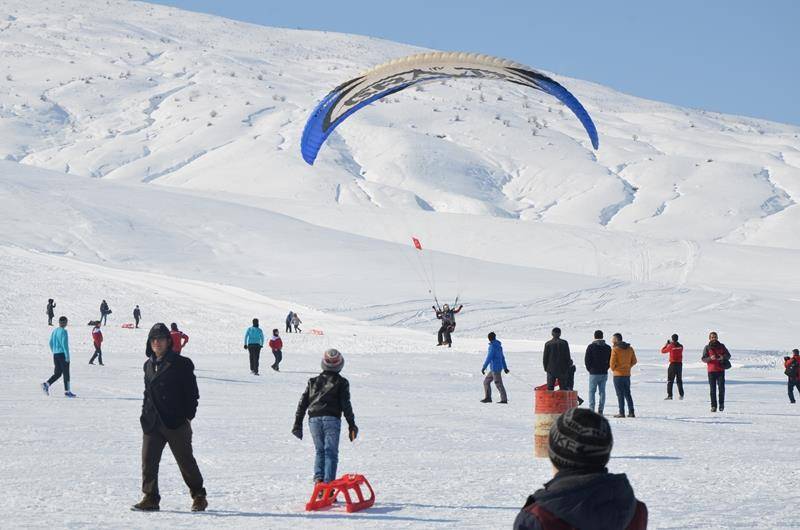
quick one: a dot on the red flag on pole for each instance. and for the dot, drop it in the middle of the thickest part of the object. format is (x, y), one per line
(417, 244)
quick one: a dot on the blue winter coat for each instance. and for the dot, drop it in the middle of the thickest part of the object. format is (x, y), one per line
(495, 357)
(254, 335)
(59, 342)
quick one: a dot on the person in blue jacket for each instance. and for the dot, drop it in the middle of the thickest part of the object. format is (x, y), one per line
(253, 342)
(496, 362)
(59, 345)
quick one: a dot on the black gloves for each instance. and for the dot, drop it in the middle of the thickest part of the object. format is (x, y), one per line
(506, 370)
(483, 371)
(297, 430)
(353, 433)
(245, 346)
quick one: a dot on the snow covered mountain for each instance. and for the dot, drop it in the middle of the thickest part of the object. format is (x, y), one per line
(151, 156)
(697, 209)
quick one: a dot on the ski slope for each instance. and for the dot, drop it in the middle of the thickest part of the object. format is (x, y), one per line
(151, 156)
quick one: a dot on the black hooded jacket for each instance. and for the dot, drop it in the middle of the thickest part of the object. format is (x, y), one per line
(598, 355)
(593, 501)
(170, 392)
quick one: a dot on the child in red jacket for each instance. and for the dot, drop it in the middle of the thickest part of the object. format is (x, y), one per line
(97, 339)
(276, 344)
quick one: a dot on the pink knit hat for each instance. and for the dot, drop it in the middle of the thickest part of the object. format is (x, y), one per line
(332, 361)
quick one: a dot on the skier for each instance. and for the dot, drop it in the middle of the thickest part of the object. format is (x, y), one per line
(179, 338)
(104, 312)
(169, 406)
(675, 370)
(137, 315)
(326, 398)
(582, 494)
(623, 358)
(59, 345)
(448, 318)
(717, 359)
(596, 360)
(97, 339)
(289, 318)
(51, 306)
(276, 345)
(557, 361)
(792, 371)
(296, 322)
(253, 342)
(496, 362)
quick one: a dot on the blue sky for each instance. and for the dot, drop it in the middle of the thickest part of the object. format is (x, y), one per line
(734, 56)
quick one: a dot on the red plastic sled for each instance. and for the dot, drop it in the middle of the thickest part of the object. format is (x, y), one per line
(128, 325)
(325, 494)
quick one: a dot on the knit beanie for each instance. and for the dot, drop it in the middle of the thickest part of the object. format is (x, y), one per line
(332, 361)
(580, 439)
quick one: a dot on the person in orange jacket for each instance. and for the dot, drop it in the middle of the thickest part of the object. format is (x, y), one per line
(623, 358)
(675, 370)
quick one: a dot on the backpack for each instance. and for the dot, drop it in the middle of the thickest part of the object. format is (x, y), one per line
(791, 370)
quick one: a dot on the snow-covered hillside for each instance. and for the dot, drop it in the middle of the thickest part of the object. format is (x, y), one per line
(143, 93)
(151, 156)
(682, 218)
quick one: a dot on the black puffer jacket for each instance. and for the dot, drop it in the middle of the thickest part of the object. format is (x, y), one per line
(170, 392)
(594, 501)
(328, 394)
(556, 358)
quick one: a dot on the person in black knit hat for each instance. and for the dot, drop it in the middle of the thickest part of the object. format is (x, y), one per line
(582, 494)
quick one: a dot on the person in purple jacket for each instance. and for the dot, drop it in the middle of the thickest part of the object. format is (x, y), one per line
(496, 362)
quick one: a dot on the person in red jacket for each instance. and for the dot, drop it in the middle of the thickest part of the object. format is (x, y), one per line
(97, 339)
(276, 344)
(582, 494)
(717, 359)
(675, 370)
(179, 338)
(792, 366)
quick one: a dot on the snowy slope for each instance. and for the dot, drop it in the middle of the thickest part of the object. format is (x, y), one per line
(152, 158)
(200, 102)
(436, 456)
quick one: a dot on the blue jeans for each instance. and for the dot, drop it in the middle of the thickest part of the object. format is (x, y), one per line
(622, 384)
(597, 382)
(325, 433)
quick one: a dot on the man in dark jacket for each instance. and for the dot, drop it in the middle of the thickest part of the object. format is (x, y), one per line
(448, 318)
(791, 367)
(170, 404)
(557, 362)
(598, 354)
(104, 312)
(326, 399)
(583, 494)
(137, 315)
(51, 306)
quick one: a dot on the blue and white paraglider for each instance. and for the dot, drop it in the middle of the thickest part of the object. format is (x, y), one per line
(400, 74)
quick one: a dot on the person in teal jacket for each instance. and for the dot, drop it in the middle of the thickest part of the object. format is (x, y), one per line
(496, 362)
(59, 345)
(253, 342)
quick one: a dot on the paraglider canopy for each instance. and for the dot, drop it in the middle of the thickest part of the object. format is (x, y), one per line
(400, 74)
